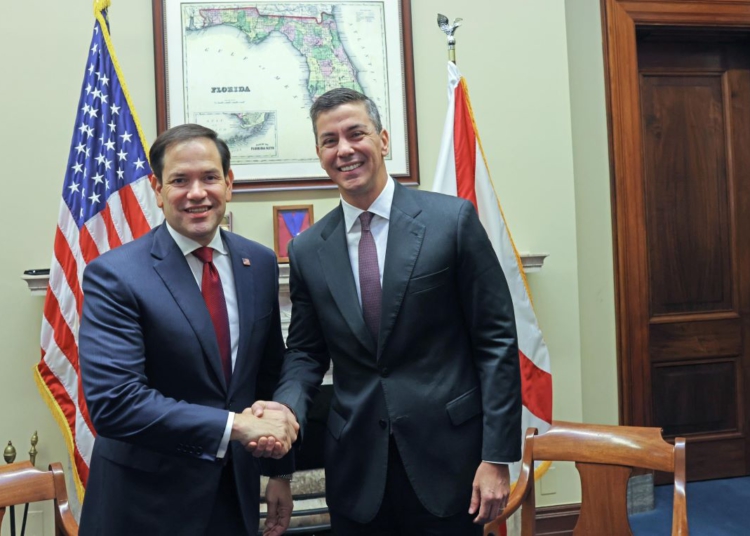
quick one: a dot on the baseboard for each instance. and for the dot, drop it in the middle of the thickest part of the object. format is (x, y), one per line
(557, 520)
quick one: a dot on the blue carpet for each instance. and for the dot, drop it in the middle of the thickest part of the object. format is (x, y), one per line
(715, 508)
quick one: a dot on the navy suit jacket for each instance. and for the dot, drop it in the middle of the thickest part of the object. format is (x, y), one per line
(443, 377)
(155, 390)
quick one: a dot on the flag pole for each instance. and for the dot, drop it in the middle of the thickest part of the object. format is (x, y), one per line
(449, 29)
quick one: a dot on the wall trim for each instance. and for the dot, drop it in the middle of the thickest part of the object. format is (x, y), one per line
(557, 520)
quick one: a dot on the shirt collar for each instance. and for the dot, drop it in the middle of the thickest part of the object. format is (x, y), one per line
(188, 245)
(381, 206)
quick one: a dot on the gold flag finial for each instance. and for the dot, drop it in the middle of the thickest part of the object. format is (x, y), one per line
(449, 29)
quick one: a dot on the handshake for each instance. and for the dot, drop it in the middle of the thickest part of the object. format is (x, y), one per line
(267, 429)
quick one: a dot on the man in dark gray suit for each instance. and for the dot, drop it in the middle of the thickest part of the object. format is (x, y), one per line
(402, 291)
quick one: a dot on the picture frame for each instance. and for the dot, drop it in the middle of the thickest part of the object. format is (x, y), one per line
(255, 88)
(226, 221)
(288, 222)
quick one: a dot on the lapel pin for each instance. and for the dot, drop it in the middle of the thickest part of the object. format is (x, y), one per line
(245, 261)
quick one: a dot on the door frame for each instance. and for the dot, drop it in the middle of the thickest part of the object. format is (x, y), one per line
(620, 19)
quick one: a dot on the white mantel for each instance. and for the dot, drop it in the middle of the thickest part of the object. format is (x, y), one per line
(532, 262)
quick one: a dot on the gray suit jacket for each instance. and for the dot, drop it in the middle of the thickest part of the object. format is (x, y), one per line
(443, 377)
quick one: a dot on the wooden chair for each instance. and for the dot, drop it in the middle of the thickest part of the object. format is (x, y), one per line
(605, 457)
(22, 483)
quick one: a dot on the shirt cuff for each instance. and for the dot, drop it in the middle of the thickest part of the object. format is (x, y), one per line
(225, 438)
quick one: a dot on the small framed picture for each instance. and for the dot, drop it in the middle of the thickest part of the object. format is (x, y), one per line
(226, 221)
(288, 222)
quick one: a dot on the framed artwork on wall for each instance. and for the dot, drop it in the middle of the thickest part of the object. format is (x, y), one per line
(226, 221)
(288, 222)
(251, 70)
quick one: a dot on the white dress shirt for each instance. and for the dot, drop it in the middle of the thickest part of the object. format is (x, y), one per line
(223, 264)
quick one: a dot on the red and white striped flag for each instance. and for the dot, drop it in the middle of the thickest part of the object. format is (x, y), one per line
(106, 201)
(462, 171)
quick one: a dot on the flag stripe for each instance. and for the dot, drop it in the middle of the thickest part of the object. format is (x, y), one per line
(69, 229)
(87, 244)
(97, 230)
(464, 143)
(133, 209)
(63, 401)
(113, 238)
(536, 389)
(69, 269)
(122, 227)
(62, 335)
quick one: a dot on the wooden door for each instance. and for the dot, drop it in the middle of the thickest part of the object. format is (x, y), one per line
(680, 125)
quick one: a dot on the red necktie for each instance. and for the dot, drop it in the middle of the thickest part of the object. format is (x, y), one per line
(369, 276)
(213, 293)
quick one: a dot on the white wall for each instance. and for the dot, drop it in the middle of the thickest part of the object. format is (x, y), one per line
(544, 135)
(593, 212)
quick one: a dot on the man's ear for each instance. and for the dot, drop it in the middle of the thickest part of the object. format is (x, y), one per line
(384, 139)
(156, 186)
(230, 182)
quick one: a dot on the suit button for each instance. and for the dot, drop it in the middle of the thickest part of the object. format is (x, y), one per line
(382, 423)
(384, 372)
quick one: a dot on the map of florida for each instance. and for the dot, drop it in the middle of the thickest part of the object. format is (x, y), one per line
(319, 43)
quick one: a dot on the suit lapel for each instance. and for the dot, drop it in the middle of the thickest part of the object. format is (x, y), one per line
(171, 266)
(334, 259)
(244, 282)
(405, 235)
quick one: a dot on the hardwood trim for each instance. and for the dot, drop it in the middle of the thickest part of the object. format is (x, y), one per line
(557, 520)
(631, 275)
(695, 317)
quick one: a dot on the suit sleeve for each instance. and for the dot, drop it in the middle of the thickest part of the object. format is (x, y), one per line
(113, 365)
(488, 310)
(306, 360)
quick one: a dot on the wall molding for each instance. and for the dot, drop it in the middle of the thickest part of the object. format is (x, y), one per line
(557, 520)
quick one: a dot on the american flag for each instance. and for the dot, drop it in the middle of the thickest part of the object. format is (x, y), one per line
(106, 201)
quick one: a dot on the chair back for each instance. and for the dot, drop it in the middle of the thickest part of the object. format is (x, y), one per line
(605, 457)
(22, 483)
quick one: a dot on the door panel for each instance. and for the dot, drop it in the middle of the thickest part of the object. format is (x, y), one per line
(687, 211)
(693, 101)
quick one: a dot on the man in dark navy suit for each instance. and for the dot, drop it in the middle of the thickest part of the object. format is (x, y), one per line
(180, 333)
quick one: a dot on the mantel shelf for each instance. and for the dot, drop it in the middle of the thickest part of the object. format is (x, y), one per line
(532, 262)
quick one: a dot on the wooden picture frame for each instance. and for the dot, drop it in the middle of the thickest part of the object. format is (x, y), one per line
(288, 222)
(212, 69)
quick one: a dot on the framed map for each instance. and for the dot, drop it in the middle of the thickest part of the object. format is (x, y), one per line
(251, 71)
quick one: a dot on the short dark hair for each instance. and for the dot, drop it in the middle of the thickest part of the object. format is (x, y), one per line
(182, 133)
(335, 98)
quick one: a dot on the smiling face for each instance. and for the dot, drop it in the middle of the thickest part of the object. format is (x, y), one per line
(193, 192)
(352, 153)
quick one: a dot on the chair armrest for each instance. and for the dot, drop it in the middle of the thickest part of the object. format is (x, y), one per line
(679, 510)
(65, 522)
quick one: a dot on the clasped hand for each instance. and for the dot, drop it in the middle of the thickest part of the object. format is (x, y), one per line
(267, 429)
